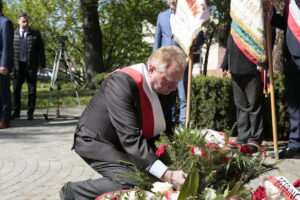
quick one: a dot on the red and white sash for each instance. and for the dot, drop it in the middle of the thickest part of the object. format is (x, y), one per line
(293, 18)
(153, 120)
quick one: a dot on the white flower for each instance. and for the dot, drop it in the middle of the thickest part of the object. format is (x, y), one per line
(210, 193)
(161, 187)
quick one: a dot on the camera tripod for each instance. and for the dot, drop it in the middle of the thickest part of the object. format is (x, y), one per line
(61, 58)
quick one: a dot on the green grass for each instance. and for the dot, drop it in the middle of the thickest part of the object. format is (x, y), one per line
(67, 96)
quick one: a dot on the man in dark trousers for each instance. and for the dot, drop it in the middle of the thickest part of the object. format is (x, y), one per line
(6, 44)
(29, 54)
(122, 121)
(290, 23)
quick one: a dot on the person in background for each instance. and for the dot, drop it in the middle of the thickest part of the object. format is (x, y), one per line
(163, 37)
(6, 58)
(290, 23)
(29, 54)
(247, 90)
(122, 121)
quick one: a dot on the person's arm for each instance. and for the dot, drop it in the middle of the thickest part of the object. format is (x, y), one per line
(158, 35)
(41, 52)
(7, 47)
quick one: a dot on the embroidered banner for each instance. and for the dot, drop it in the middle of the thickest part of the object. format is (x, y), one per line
(247, 28)
(187, 22)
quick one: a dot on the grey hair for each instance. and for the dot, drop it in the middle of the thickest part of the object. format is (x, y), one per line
(165, 55)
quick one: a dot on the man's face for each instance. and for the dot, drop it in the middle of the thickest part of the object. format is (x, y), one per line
(23, 22)
(165, 82)
(172, 4)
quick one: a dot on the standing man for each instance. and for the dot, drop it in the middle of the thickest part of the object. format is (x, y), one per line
(122, 122)
(6, 45)
(245, 64)
(290, 23)
(29, 54)
(163, 37)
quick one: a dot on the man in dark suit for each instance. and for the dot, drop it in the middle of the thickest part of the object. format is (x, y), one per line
(123, 120)
(29, 54)
(6, 43)
(163, 37)
(290, 23)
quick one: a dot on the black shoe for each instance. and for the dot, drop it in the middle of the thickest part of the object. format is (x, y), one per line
(30, 116)
(289, 153)
(63, 194)
(15, 115)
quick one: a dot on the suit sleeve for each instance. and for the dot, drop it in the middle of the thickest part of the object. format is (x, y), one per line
(126, 118)
(41, 50)
(158, 35)
(7, 44)
(224, 64)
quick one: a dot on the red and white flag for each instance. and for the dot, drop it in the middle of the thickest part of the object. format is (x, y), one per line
(187, 22)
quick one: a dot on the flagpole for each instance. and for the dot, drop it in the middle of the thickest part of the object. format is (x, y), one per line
(189, 90)
(272, 95)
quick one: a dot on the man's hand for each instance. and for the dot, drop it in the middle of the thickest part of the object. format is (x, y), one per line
(225, 72)
(259, 68)
(3, 70)
(176, 178)
(42, 70)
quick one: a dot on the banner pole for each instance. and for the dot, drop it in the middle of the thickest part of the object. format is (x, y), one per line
(272, 95)
(189, 90)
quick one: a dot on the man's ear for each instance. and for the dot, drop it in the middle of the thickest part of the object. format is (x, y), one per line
(151, 69)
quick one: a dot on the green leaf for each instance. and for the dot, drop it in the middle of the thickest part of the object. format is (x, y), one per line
(191, 185)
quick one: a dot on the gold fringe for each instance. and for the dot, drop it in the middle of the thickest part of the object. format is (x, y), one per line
(258, 41)
(249, 47)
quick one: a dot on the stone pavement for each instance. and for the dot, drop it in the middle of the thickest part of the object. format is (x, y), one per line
(36, 160)
(35, 156)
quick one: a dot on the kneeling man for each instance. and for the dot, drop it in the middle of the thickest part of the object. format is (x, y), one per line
(122, 121)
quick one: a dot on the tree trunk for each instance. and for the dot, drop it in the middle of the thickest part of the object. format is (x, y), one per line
(93, 55)
(208, 44)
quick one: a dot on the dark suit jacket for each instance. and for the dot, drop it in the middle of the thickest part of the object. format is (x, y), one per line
(110, 128)
(6, 53)
(292, 45)
(235, 61)
(35, 50)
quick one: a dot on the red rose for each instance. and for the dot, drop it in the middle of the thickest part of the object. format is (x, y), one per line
(212, 146)
(259, 193)
(245, 149)
(161, 151)
(296, 184)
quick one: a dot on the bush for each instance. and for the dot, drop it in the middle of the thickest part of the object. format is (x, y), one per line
(212, 106)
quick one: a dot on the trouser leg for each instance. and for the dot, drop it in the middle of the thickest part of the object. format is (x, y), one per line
(90, 189)
(31, 82)
(248, 98)
(5, 98)
(292, 74)
(19, 76)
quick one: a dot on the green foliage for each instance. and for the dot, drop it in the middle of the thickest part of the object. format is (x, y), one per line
(212, 103)
(122, 24)
(212, 106)
(224, 169)
(99, 78)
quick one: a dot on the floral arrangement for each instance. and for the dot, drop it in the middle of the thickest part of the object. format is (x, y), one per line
(217, 168)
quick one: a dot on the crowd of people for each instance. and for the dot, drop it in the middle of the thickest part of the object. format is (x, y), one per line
(22, 52)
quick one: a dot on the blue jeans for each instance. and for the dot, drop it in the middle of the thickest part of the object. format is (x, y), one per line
(182, 94)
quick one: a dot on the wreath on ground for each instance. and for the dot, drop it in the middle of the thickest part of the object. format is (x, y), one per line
(217, 167)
